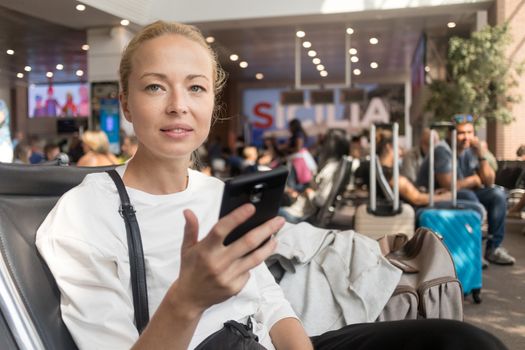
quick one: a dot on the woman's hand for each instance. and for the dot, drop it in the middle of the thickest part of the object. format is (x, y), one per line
(211, 272)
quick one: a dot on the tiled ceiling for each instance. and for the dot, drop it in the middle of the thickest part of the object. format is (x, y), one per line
(267, 44)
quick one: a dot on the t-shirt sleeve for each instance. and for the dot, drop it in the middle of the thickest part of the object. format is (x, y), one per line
(442, 160)
(274, 306)
(95, 302)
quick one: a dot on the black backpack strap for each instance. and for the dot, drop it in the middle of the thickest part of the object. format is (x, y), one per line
(136, 255)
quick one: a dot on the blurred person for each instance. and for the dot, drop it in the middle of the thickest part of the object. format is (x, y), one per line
(520, 152)
(129, 147)
(407, 190)
(356, 148)
(37, 149)
(249, 162)
(51, 104)
(414, 157)
(69, 109)
(475, 182)
(75, 150)
(96, 149)
(22, 153)
(51, 151)
(491, 159)
(19, 136)
(6, 146)
(40, 108)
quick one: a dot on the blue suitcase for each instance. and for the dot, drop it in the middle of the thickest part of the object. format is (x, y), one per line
(461, 232)
(459, 225)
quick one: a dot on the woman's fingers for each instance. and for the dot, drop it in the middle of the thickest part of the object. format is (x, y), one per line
(191, 230)
(253, 239)
(229, 222)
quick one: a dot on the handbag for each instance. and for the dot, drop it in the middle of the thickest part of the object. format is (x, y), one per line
(428, 287)
(233, 335)
(302, 168)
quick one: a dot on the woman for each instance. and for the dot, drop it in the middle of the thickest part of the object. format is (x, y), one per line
(96, 150)
(169, 79)
(407, 190)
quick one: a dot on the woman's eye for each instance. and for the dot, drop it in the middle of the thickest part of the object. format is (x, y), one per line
(197, 88)
(153, 87)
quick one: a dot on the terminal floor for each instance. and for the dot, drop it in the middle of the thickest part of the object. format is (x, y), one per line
(502, 311)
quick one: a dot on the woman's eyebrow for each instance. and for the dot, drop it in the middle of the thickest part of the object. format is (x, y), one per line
(157, 75)
(195, 76)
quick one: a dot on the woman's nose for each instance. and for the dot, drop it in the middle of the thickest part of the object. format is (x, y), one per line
(177, 103)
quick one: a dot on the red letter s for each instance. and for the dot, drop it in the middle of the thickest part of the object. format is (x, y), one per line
(257, 110)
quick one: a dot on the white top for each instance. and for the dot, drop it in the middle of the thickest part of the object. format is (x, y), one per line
(83, 240)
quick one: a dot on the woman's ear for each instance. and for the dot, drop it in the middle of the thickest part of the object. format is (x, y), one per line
(124, 104)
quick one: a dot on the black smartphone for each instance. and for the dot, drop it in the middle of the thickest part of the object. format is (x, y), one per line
(263, 189)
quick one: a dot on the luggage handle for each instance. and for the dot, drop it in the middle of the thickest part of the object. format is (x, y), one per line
(431, 174)
(374, 164)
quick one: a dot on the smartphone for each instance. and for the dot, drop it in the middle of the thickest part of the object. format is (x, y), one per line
(263, 189)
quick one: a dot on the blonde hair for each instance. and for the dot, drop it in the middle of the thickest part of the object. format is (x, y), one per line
(160, 28)
(96, 140)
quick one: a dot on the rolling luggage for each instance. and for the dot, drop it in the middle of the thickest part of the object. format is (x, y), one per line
(459, 226)
(389, 216)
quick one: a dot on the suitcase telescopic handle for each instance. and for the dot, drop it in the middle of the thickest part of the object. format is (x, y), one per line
(431, 173)
(374, 164)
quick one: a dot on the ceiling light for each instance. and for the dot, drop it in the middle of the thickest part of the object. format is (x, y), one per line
(259, 76)
(354, 59)
(373, 65)
(349, 31)
(307, 44)
(79, 73)
(27, 69)
(85, 47)
(323, 73)
(451, 24)
(59, 66)
(300, 34)
(373, 41)
(10, 52)
(234, 57)
(49, 74)
(210, 40)
(312, 53)
(320, 67)
(427, 69)
(124, 22)
(357, 71)
(316, 60)
(352, 51)
(243, 64)
(20, 75)
(80, 7)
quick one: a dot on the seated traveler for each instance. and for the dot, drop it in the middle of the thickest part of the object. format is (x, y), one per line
(407, 190)
(475, 182)
(414, 157)
(169, 79)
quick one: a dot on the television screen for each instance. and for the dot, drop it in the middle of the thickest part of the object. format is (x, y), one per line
(294, 97)
(58, 100)
(322, 97)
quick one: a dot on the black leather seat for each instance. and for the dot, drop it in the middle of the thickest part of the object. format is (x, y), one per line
(31, 305)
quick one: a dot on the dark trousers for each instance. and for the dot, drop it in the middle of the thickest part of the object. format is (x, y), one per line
(408, 335)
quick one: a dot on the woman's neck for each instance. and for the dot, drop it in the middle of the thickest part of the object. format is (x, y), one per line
(156, 176)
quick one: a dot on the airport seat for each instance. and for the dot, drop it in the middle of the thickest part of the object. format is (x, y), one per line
(29, 297)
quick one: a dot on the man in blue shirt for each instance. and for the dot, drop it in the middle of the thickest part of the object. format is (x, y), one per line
(475, 182)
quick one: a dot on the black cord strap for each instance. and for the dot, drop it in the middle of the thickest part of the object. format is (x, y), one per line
(136, 255)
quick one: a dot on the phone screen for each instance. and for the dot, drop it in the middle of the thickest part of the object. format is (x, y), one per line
(263, 189)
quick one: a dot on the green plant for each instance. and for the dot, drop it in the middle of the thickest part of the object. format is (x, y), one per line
(480, 78)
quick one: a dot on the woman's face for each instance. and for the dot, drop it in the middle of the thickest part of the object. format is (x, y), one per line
(170, 99)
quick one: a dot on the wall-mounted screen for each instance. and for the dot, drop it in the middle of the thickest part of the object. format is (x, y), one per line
(294, 97)
(58, 100)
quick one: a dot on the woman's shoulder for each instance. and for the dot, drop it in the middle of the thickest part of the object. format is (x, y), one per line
(202, 180)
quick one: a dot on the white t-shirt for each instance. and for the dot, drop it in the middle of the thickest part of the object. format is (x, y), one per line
(83, 240)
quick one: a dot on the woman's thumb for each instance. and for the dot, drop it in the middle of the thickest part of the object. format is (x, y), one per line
(191, 230)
